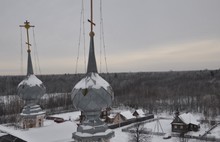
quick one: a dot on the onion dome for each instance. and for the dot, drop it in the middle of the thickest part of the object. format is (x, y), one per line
(92, 93)
(31, 88)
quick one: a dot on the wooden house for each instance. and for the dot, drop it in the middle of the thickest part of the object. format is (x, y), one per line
(184, 123)
(110, 118)
(139, 113)
(118, 118)
(105, 113)
(122, 116)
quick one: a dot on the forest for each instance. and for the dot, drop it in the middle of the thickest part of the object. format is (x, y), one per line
(194, 91)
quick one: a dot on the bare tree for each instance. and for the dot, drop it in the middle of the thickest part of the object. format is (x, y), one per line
(139, 134)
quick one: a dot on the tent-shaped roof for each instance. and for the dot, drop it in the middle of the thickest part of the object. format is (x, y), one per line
(140, 112)
(188, 118)
(127, 114)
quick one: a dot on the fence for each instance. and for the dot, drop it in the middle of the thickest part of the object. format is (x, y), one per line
(130, 121)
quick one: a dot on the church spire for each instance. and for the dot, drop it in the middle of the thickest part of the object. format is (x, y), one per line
(92, 67)
(29, 63)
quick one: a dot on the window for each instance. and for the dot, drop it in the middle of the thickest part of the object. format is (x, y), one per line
(181, 127)
(175, 127)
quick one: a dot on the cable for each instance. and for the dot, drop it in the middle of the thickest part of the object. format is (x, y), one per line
(81, 31)
(103, 37)
(100, 37)
(21, 40)
(37, 58)
(84, 36)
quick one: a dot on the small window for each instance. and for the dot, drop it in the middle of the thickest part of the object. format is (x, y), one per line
(175, 127)
(181, 127)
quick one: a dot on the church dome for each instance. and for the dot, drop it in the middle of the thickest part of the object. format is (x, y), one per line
(31, 88)
(92, 93)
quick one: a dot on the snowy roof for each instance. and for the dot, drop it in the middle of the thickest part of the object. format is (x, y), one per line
(32, 111)
(51, 132)
(101, 134)
(2, 134)
(112, 115)
(188, 118)
(127, 114)
(31, 81)
(140, 112)
(92, 81)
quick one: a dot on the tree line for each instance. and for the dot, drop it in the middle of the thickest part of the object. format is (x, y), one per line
(195, 91)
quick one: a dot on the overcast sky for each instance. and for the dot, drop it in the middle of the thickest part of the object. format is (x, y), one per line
(140, 35)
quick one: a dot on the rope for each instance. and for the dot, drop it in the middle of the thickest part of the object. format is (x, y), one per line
(100, 37)
(36, 52)
(84, 35)
(81, 30)
(35, 58)
(103, 37)
(21, 40)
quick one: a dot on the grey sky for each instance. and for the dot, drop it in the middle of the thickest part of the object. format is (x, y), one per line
(143, 35)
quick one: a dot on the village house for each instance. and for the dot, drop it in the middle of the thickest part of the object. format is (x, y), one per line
(124, 116)
(105, 113)
(184, 123)
(121, 117)
(139, 113)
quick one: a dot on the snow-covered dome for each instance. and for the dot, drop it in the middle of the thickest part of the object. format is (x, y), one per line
(92, 93)
(31, 88)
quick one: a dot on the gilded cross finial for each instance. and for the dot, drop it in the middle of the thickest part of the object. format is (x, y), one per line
(27, 26)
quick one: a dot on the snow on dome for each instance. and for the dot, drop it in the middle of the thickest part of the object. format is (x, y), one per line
(92, 93)
(31, 88)
(92, 81)
(31, 81)
(188, 118)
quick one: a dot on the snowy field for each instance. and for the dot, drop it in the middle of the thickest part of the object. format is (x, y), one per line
(60, 132)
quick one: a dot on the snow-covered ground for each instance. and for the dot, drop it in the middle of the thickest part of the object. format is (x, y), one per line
(73, 116)
(215, 132)
(59, 132)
